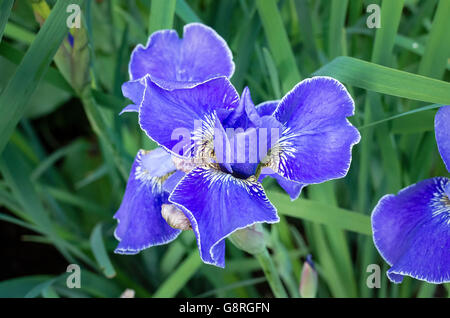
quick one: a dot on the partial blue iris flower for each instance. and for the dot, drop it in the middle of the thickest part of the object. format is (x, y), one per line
(411, 230)
(171, 62)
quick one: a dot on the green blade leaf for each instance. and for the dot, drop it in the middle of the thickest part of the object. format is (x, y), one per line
(184, 11)
(437, 50)
(279, 43)
(16, 95)
(19, 287)
(321, 213)
(409, 113)
(336, 27)
(5, 10)
(180, 277)
(99, 251)
(161, 15)
(385, 80)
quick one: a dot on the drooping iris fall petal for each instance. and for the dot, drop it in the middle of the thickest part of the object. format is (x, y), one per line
(217, 204)
(411, 230)
(140, 224)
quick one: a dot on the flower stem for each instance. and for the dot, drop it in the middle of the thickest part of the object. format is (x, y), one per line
(271, 274)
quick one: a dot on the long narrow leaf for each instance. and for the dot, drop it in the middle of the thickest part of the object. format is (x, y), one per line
(279, 43)
(161, 15)
(15, 98)
(5, 10)
(385, 80)
(321, 213)
(99, 251)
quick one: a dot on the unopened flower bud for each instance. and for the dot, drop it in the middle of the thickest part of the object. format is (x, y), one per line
(175, 217)
(250, 239)
(128, 293)
(72, 58)
(308, 279)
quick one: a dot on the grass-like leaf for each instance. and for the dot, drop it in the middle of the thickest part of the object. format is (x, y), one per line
(5, 10)
(321, 213)
(385, 80)
(14, 99)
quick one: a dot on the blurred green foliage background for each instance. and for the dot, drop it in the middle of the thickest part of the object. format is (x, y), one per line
(66, 154)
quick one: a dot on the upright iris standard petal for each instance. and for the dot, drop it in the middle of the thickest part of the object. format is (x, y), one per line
(245, 115)
(217, 204)
(174, 63)
(251, 147)
(292, 188)
(140, 224)
(411, 230)
(179, 118)
(442, 131)
(251, 134)
(133, 90)
(317, 140)
(267, 108)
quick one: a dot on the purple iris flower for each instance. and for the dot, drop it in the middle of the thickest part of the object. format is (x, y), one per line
(216, 146)
(171, 62)
(411, 230)
(220, 144)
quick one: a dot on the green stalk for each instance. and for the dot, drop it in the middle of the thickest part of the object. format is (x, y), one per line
(271, 273)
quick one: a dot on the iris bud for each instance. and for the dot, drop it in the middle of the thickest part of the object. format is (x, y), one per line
(128, 293)
(72, 57)
(249, 239)
(308, 279)
(175, 217)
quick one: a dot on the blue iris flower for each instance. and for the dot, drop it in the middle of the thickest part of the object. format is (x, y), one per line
(411, 230)
(216, 146)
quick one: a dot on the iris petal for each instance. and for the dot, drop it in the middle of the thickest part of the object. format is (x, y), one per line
(173, 180)
(292, 188)
(442, 131)
(217, 204)
(267, 108)
(158, 163)
(250, 148)
(133, 90)
(171, 118)
(411, 230)
(245, 115)
(140, 224)
(174, 63)
(317, 140)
